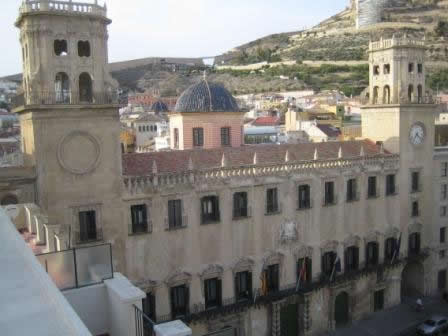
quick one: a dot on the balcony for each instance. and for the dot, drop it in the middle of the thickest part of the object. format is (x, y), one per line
(63, 98)
(78, 267)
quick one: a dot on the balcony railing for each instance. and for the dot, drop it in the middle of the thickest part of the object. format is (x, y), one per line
(63, 98)
(79, 267)
(144, 326)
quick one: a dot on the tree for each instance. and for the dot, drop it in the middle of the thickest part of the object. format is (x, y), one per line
(441, 28)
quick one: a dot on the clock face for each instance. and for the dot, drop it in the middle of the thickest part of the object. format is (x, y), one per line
(417, 134)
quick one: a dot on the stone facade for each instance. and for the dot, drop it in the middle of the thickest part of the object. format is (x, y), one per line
(359, 198)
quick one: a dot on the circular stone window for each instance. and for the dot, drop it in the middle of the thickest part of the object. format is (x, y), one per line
(79, 153)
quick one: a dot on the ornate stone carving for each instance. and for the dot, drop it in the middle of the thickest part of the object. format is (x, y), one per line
(391, 232)
(79, 142)
(243, 264)
(329, 246)
(415, 227)
(372, 236)
(303, 252)
(273, 257)
(211, 271)
(352, 240)
(288, 232)
(145, 285)
(177, 278)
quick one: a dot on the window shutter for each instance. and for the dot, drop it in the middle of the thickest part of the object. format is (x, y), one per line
(219, 291)
(218, 215)
(249, 283)
(173, 308)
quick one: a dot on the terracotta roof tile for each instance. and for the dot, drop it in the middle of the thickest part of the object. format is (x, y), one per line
(141, 164)
(266, 121)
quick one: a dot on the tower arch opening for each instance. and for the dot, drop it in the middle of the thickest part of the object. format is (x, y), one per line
(386, 95)
(62, 88)
(83, 48)
(375, 97)
(411, 93)
(85, 88)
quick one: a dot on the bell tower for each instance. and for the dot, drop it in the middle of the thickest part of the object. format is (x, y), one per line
(401, 115)
(69, 117)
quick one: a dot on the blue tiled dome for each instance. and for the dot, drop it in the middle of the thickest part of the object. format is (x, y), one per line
(206, 97)
(159, 106)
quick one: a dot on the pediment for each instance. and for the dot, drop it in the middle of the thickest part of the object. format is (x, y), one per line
(178, 277)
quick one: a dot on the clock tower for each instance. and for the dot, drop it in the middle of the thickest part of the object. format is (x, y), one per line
(401, 115)
(69, 118)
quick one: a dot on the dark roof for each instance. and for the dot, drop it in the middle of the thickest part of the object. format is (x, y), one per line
(177, 161)
(159, 106)
(206, 97)
(329, 130)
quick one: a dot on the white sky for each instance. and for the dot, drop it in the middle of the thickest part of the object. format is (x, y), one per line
(182, 28)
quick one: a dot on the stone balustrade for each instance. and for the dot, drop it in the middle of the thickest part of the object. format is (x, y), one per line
(394, 42)
(135, 185)
(30, 6)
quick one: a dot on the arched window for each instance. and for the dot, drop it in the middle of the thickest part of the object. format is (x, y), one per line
(376, 90)
(411, 93)
(83, 49)
(62, 88)
(85, 88)
(60, 47)
(386, 95)
(420, 93)
(8, 200)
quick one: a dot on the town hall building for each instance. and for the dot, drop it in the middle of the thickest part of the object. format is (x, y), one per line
(252, 240)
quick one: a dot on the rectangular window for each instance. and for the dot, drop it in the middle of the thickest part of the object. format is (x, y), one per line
(351, 259)
(386, 69)
(198, 137)
(87, 226)
(371, 187)
(329, 193)
(272, 278)
(372, 254)
(210, 209)
(390, 184)
(240, 205)
(411, 67)
(175, 214)
(444, 169)
(414, 244)
(149, 306)
(389, 249)
(351, 190)
(176, 138)
(442, 254)
(420, 68)
(443, 211)
(444, 191)
(139, 218)
(415, 209)
(243, 285)
(179, 301)
(415, 181)
(328, 260)
(271, 201)
(304, 272)
(442, 235)
(376, 69)
(304, 196)
(378, 300)
(225, 136)
(212, 289)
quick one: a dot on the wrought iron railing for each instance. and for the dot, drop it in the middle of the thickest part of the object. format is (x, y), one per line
(144, 326)
(234, 305)
(63, 98)
(85, 237)
(78, 267)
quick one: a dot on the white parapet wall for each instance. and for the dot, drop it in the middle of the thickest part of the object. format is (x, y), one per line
(173, 328)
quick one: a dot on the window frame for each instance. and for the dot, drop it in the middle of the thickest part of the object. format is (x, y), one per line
(212, 285)
(372, 187)
(145, 227)
(303, 204)
(273, 278)
(415, 181)
(84, 235)
(391, 186)
(372, 259)
(214, 216)
(329, 193)
(442, 234)
(177, 310)
(198, 137)
(226, 137)
(173, 214)
(272, 204)
(246, 294)
(240, 211)
(351, 256)
(352, 190)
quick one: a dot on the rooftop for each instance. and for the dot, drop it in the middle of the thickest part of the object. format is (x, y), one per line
(266, 121)
(180, 161)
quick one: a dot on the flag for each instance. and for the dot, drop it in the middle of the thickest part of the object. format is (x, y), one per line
(336, 267)
(264, 283)
(302, 274)
(396, 249)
